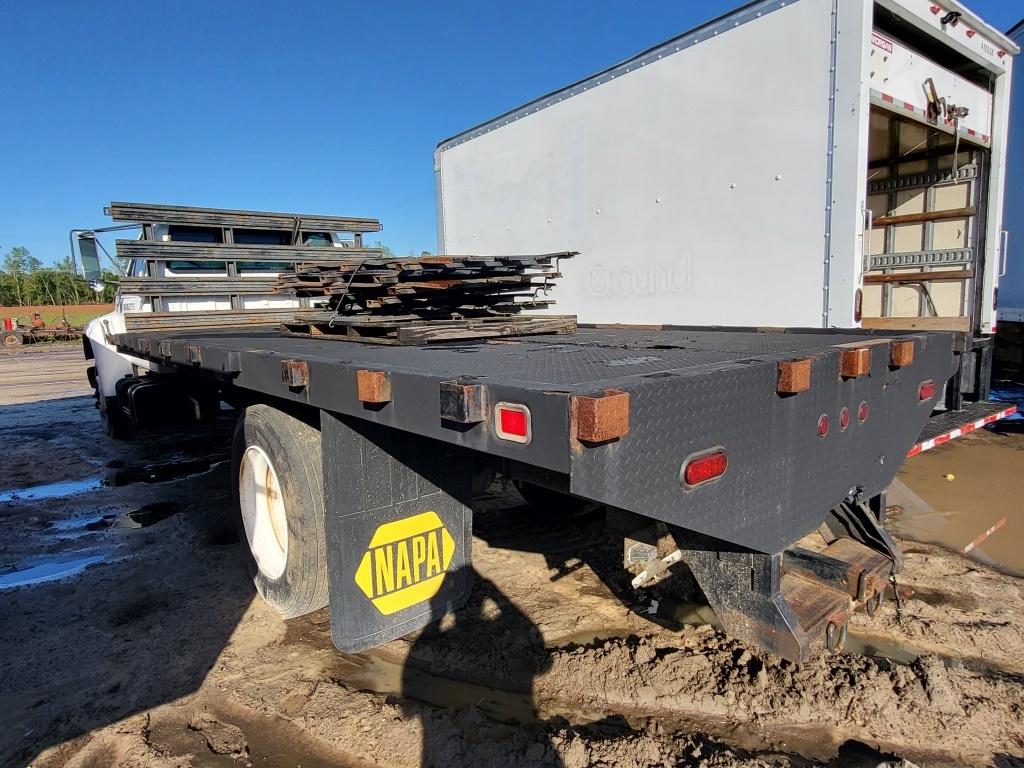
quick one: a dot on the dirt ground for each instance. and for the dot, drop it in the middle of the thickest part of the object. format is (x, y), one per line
(131, 635)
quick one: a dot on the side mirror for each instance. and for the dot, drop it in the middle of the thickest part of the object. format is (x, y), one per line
(90, 257)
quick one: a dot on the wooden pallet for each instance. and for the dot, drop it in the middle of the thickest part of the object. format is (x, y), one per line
(411, 330)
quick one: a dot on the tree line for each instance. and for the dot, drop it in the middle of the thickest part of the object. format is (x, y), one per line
(24, 281)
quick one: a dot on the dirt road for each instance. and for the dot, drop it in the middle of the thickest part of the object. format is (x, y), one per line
(132, 637)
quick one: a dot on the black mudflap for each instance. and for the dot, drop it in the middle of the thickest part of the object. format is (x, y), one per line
(399, 530)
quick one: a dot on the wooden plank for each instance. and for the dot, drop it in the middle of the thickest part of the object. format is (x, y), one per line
(915, 218)
(214, 318)
(793, 376)
(184, 251)
(151, 213)
(961, 324)
(472, 329)
(918, 277)
(418, 331)
(854, 362)
(901, 353)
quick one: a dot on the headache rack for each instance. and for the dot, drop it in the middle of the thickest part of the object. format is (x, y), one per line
(148, 213)
(221, 258)
(154, 279)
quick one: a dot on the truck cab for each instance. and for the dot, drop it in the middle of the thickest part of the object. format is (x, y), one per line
(161, 288)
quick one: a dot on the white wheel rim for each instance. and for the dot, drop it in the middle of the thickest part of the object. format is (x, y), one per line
(263, 513)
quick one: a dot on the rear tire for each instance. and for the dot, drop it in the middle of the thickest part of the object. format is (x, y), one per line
(277, 475)
(12, 339)
(115, 424)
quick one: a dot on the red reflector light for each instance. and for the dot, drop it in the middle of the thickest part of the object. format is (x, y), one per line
(512, 422)
(704, 468)
(822, 425)
(862, 413)
(844, 418)
(926, 391)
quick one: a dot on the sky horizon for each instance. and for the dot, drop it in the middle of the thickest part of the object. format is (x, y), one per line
(330, 108)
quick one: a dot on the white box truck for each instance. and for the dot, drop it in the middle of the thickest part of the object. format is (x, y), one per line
(793, 163)
(1011, 284)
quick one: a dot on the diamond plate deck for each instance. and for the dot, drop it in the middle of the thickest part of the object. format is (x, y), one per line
(689, 390)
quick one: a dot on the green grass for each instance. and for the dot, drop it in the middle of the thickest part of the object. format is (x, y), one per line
(78, 315)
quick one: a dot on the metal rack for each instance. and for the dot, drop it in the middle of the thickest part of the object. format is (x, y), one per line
(152, 278)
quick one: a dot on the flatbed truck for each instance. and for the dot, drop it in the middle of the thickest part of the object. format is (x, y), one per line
(354, 463)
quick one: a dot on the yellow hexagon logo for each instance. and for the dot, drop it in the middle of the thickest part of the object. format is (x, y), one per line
(406, 562)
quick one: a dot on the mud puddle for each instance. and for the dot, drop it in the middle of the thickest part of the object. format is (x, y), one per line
(935, 499)
(143, 517)
(76, 527)
(214, 739)
(376, 672)
(49, 569)
(150, 514)
(153, 472)
(162, 472)
(58, 490)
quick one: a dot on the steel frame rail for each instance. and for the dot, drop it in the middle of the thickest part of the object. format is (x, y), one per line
(150, 213)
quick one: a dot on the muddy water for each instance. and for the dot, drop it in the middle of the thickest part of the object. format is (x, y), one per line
(49, 569)
(164, 471)
(967, 495)
(56, 490)
(269, 742)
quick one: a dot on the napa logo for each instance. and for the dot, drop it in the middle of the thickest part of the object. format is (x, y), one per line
(406, 562)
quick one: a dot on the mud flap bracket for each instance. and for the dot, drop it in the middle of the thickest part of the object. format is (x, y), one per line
(862, 522)
(398, 530)
(745, 589)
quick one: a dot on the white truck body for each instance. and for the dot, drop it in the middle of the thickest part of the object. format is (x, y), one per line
(723, 176)
(1011, 285)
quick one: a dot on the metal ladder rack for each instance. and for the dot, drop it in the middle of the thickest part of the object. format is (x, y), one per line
(152, 280)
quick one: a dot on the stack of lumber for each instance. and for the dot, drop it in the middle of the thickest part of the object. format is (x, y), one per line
(428, 286)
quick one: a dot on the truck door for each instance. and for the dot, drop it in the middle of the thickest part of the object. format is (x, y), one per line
(928, 159)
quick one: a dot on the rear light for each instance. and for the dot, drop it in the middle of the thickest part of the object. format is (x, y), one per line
(862, 413)
(822, 425)
(926, 391)
(858, 303)
(844, 418)
(704, 468)
(512, 422)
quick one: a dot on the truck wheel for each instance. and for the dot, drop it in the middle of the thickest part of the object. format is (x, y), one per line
(278, 477)
(115, 424)
(12, 339)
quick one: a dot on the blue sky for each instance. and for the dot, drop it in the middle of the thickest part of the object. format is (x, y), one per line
(327, 107)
